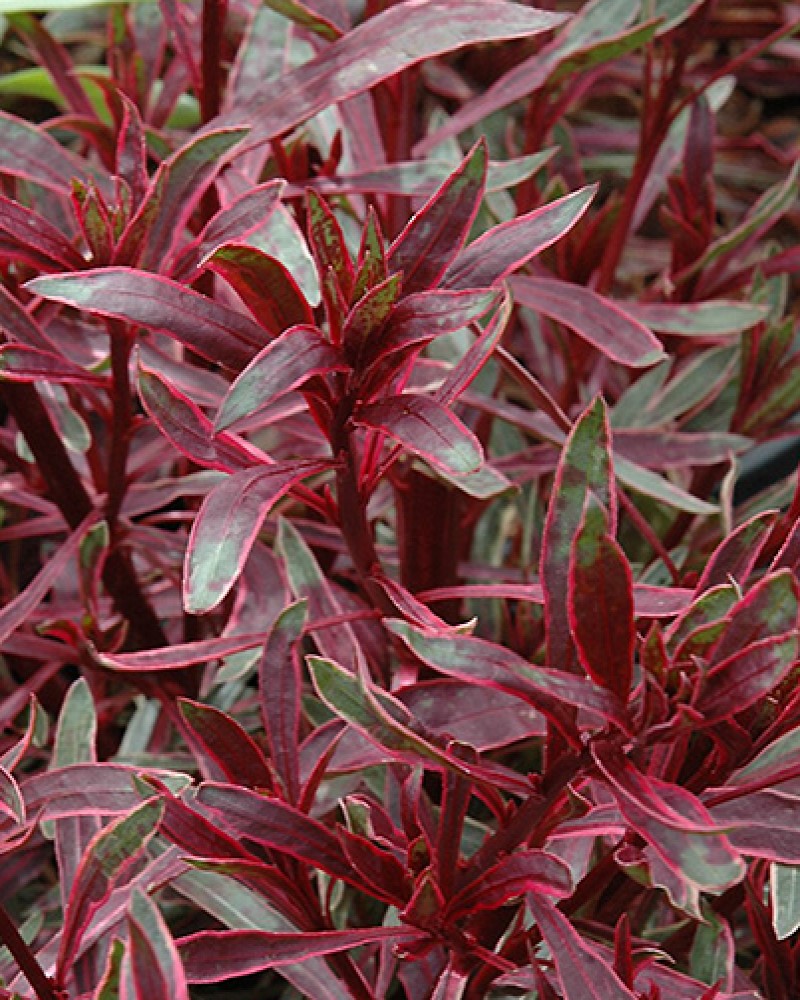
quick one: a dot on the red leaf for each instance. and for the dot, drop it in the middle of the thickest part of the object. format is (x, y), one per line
(434, 236)
(503, 249)
(29, 152)
(18, 323)
(183, 655)
(222, 738)
(31, 232)
(213, 956)
(328, 245)
(583, 974)
(185, 426)
(598, 320)
(19, 363)
(286, 363)
(425, 428)
(746, 677)
(736, 556)
(762, 824)
(227, 525)
(600, 603)
(156, 968)
(280, 690)
(525, 871)
(216, 332)
(265, 286)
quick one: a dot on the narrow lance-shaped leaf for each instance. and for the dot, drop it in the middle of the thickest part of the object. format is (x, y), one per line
(111, 852)
(227, 526)
(328, 244)
(20, 363)
(18, 323)
(223, 740)
(503, 249)
(425, 428)
(11, 801)
(737, 554)
(600, 603)
(596, 319)
(770, 608)
(280, 690)
(304, 15)
(285, 364)
(585, 465)
(435, 235)
(718, 318)
(213, 956)
(265, 285)
(156, 967)
(217, 332)
(513, 876)
(31, 230)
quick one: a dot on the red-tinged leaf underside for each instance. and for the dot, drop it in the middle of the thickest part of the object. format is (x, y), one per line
(232, 748)
(746, 677)
(227, 526)
(596, 319)
(213, 956)
(677, 826)
(525, 871)
(434, 236)
(19, 363)
(493, 256)
(600, 604)
(283, 365)
(216, 332)
(553, 692)
(380, 48)
(110, 852)
(583, 974)
(585, 465)
(265, 286)
(183, 654)
(185, 426)
(425, 428)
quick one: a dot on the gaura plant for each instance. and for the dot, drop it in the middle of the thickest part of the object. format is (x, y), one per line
(386, 617)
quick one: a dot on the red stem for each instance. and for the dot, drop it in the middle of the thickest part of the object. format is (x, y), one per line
(121, 343)
(41, 984)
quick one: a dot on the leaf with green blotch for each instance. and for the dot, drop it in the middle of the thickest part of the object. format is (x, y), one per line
(304, 16)
(328, 244)
(433, 237)
(155, 965)
(600, 603)
(285, 364)
(265, 286)
(784, 881)
(585, 465)
(227, 525)
(427, 429)
(108, 987)
(651, 484)
(370, 314)
(716, 318)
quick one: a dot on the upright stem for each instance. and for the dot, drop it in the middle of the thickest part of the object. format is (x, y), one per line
(121, 343)
(41, 984)
(213, 31)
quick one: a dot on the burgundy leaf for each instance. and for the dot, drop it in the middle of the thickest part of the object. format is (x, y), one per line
(511, 877)
(434, 236)
(215, 331)
(379, 869)
(18, 323)
(582, 972)
(29, 230)
(600, 604)
(770, 608)
(762, 824)
(601, 322)
(213, 956)
(746, 677)
(28, 152)
(265, 286)
(657, 449)
(503, 249)
(184, 425)
(156, 968)
(223, 740)
(367, 318)
(467, 369)
(674, 822)
(20, 363)
(294, 357)
(328, 244)
(227, 525)
(736, 556)
(182, 655)
(280, 690)
(425, 428)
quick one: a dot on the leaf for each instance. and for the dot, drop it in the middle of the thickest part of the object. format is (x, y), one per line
(433, 237)
(20, 363)
(294, 357)
(306, 17)
(11, 801)
(280, 691)
(178, 185)
(513, 876)
(745, 677)
(585, 465)
(425, 428)
(18, 323)
(659, 488)
(735, 557)
(30, 153)
(770, 608)
(596, 319)
(181, 655)
(187, 428)
(156, 967)
(483, 662)
(31, 232)
(583, 974)
(662, 450)
(213, 956)
(377, 49)
(697, 382)
(217, 332)
(265, 286)
(503, 249)
(110, 854)
(678, 827)
(784, 881)
(328, 244)
(762, 824)
(369, 315)
(227, 525)
(715, 318)
(600, 604)
(225, 742)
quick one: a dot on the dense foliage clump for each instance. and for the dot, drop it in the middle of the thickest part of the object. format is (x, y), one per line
(400, 535)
